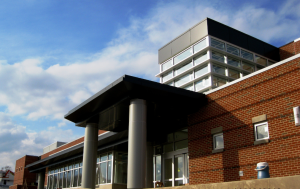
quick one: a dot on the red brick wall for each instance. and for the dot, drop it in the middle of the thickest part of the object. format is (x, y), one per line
(68, 145)
(21, 173)
(274, 92)
(289, 50)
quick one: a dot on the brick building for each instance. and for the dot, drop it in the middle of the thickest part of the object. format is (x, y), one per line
(138, 132)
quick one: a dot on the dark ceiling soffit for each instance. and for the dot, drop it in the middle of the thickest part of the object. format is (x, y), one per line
(126, 81)
(67, 150)
(78, 156)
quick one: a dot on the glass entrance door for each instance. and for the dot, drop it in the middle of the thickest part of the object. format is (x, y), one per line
(168, 176)
(178, 170)
(175, 170)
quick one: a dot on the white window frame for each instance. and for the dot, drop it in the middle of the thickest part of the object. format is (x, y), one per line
(255, 133)
(214, 141)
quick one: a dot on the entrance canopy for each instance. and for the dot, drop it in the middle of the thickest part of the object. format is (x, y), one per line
(167, 106)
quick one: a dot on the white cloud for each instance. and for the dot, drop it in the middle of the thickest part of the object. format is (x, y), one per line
(16, 142)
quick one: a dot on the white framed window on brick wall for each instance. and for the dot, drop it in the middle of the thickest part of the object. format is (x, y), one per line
(261, 131)
(218, 141)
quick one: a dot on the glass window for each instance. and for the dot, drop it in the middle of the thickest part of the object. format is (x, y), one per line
(189, 87)
(201, 84)
(167, 76)
(55, 181)
(158, 150)
(247, 55)
(271, 62)
(170, 84)
(218, 141)
(181, 144)
(233, 62)
(103, 157)
(248, 67)
(233, 50)
(157, 167)
(260, 60)
(103, 168)
(60, 180)
(166, 65)
(184, 79)
(109, 166)
(201, 71)
(218, 81)
(261, 131)
(120, 168)
(217, 56)
(75, 178)
(69, 179)
(217, 44)
(200, 58)
(170, 137)
(200, 45)
(219, 70)
(110, 156)
(183, 55)
(180, 135)
(168, 169)
(259, 68)
(79, 176)
(65, 179)
(183, 68)
(168, 147)
(233, 74)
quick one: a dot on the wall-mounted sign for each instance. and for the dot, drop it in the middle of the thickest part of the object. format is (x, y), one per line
(297, 115)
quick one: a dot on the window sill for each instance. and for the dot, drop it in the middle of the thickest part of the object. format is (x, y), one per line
(218, 150)
(264, 141)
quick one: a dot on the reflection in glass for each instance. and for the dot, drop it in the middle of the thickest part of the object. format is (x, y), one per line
(183, 55)
(55, 181)
(75, 178)
(262, 131)
(178, 182)
(247, 55)
(200, 58)
(179, 135)
(103, 168)
(183, 68)
(181, 144)
(60, 180)
(217, 44)
(202, 84)
(158, 168)
(189, 87)
(219, 70)
(178, 167)
(233, 50)
(233, 74)
(182, 80)
(260, 60)
(65, 180)
(200, 46)
(248, 67)
(217, 82)
(97, 174)
(168, 183)
(69, 179)
(167, 76)
(233, 62)
(217, 56)
(120, 167)
(168, 147)
(79, 176)
(168, 169)
(219, 142)
(166, 65)
(201, 71)
(109, 172)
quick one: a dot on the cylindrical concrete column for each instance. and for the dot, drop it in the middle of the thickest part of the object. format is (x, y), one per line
(89, 156)
(137, 153)
(41, 180)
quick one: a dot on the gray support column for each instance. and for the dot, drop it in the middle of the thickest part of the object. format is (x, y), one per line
(137, 153)
(90, 156)
(41, 180)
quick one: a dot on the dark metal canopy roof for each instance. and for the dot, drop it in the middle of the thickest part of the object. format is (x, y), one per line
(110, 106)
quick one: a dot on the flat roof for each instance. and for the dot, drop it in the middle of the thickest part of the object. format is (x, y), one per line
(129, 87)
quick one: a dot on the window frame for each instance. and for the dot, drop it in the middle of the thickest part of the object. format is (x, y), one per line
(255, 130)
(214, 141)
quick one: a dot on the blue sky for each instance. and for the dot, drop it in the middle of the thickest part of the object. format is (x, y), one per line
(54, 54)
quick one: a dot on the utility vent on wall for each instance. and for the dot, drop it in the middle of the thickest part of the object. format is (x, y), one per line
(53, 146)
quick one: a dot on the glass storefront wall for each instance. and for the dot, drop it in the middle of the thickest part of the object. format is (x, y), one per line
(170, 160)
(69, 175)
